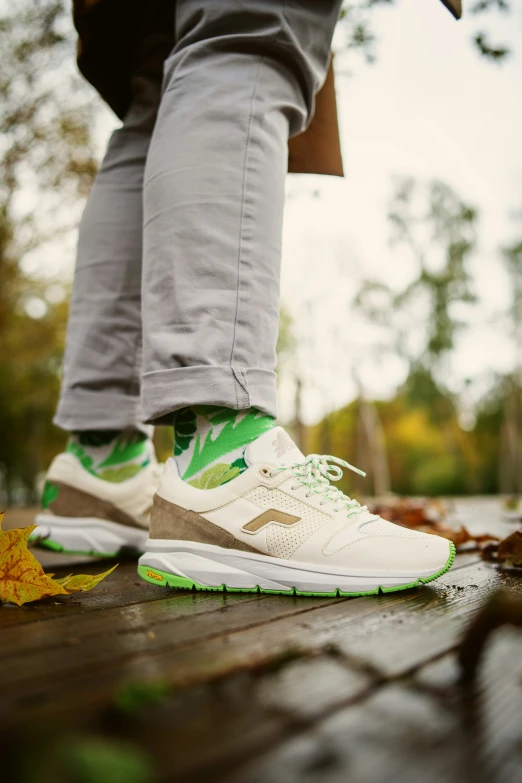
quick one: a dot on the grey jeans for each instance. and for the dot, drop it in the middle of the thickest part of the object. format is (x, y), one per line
(176, 289)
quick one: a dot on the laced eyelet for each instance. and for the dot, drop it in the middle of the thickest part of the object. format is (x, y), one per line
(265, 472)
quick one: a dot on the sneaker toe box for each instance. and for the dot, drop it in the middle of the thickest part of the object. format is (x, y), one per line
(391, 549)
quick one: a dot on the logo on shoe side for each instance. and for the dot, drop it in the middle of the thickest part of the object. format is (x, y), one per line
(155, 576)
(272, 515)
(282, 444)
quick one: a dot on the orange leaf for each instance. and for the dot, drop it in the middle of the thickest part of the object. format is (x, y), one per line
(22, 578)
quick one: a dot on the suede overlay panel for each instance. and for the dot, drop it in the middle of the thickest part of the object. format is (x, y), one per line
(169, 521)
(72, 502)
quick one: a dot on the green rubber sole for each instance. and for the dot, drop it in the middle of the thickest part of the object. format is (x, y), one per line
(157, 577)
(54, 546)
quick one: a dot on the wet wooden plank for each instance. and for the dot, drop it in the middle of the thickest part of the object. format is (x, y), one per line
(121, 588)
(200, 730)
(175, 606)
(426, 730)
(417, 631)
(317, 630)
(166, 639)
(310, 688)
(252, 728)
(223, 725)
(126, 641)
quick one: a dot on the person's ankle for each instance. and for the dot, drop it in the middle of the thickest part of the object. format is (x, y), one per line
(111, 455)
(210, 442)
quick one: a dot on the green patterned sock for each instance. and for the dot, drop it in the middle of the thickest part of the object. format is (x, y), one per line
(210, 442)
(111, 455)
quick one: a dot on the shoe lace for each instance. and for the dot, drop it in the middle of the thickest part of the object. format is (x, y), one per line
(316, 473)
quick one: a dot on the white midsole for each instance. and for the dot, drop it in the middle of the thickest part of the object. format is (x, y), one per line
(214, 566)
(89, 534)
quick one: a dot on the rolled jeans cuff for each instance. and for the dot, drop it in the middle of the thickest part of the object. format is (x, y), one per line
(238, 388)
(99, 410)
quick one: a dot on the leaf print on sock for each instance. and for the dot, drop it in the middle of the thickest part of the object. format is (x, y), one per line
(79, 453)
(184, 429)
(245, 431)
(49, 494)
(96, 438)
(240, 464)
(125, 449)
(120, 474)
(215, 476)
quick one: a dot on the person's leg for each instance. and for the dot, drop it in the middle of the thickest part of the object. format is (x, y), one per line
(99, 400)
(98, 494)
(240, 80)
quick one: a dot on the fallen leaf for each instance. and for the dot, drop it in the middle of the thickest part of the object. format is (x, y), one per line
(80, 583)
(22, 578)
(507, 552)
(428, 518)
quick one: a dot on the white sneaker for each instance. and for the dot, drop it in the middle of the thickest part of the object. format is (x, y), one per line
(282, 527)
(87, 515)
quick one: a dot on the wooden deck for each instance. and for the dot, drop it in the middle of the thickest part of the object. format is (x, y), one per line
(269, 689)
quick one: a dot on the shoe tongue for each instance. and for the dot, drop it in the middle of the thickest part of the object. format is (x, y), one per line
(275, 447)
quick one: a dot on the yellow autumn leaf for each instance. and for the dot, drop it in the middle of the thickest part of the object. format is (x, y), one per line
(22, 578)
(80, 583)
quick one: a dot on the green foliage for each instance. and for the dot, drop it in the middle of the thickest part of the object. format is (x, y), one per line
(45, 126)
(184, 429)
(97, 760)
(136, 695)
(482, 40)
(356, 29)
(428, 452)
(358, 36)
(442, 279)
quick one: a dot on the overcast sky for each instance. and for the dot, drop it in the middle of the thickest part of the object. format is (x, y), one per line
(429, 108)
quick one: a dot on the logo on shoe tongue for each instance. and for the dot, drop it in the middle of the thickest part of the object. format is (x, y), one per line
(282, 443)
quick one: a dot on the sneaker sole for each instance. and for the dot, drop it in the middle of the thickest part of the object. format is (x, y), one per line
(87, 536)
(362, 584)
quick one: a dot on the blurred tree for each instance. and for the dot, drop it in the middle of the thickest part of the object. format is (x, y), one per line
(356, 29)
(47, 161)
(440, 237)
(510, 465)
(358, 36)
(496, 52)
(427, 452)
